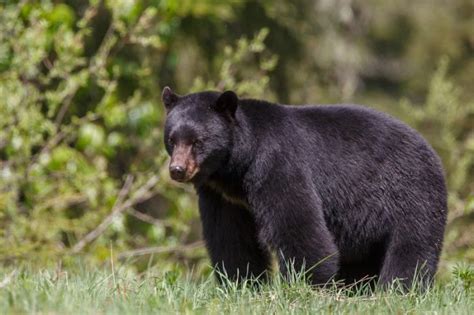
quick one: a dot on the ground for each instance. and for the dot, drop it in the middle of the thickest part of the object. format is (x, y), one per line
(123, 292)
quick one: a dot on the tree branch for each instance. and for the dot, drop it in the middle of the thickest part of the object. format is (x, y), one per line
(146, 218)
(142, 194)
(160, 250)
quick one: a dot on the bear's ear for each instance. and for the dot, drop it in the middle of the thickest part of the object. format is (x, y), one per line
(169, 98)
(227, 103)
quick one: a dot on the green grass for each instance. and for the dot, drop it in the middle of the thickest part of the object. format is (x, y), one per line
(92, 291)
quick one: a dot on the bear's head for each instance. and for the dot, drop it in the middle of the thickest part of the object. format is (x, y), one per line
(198, 132)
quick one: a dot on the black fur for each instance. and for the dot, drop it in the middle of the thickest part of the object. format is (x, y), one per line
(343, 187)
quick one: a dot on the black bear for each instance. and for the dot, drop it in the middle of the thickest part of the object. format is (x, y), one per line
(341, 191)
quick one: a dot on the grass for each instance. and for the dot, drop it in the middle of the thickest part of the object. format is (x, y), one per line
(89, 291)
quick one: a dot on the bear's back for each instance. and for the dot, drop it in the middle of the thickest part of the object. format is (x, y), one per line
(338, 128)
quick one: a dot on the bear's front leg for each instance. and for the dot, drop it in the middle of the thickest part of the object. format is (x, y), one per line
(230, 234)
(291, 222)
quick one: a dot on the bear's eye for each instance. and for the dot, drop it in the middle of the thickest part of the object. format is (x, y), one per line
(197, 144)
(171, 142)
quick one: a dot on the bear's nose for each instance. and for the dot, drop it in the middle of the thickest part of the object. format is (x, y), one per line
(177, 172)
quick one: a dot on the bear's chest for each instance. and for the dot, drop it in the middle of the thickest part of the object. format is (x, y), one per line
(231, 190)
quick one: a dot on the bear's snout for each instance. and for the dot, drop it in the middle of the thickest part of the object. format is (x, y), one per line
(177, 173)
(183, 164)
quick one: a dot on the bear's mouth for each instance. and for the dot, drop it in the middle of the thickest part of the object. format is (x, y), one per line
(190, 173)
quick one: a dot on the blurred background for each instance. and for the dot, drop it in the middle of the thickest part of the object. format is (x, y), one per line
(83, 171)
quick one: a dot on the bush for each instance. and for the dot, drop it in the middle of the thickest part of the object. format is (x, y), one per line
(82, 162)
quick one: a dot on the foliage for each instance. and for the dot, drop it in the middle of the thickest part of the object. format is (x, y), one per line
(120, 291)
(80, 147)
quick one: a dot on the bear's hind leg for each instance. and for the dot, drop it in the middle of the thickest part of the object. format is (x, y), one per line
(408, 261)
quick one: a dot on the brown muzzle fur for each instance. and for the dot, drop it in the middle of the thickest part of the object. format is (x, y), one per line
(183, 164)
